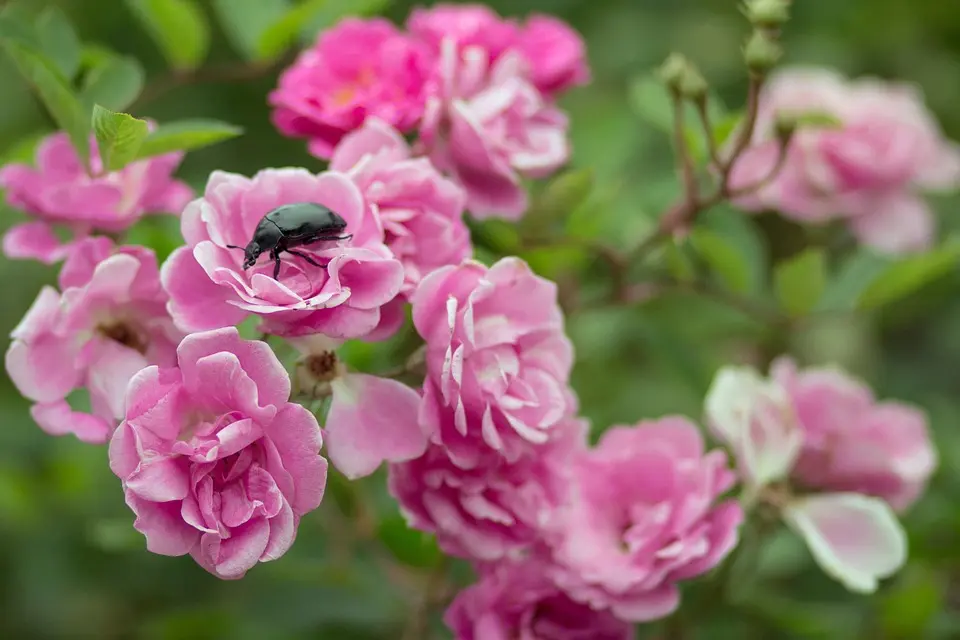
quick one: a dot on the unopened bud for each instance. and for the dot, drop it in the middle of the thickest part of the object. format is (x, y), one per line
(762, 52)
(767, 14)
(671, 72)
(785, 125)
(683, 78)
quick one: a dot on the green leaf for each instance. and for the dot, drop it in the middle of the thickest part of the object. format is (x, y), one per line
(281, 34)
(114, 82)
(55, 93)
(119, 137)
(179, 28)
(244, 22)
(678, 262)
(725, 126)
(743, 235)
(845, 287)
(909, 275)
(909, 607)
(407, 545)
(724, 259)
(559, 198)
(800, 281)
(59, 41)
(651, 101)
(185, 135)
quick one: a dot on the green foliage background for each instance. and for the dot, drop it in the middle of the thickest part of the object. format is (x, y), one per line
(72, 567)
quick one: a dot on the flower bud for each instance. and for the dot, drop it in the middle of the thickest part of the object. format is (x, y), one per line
(683, 78)
(762, 52)
(767, 14)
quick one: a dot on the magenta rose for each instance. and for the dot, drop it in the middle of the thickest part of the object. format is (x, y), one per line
(869, 170)
(493, 510)
(108, 323)
(644, 515)
(420, 210)
(342, 298)
(555, 53)
(60, 192)
(215, 461)
(852, 442)
(498, 361)
(467, 25)
(514, 600)
(487, 126)
(358, 68)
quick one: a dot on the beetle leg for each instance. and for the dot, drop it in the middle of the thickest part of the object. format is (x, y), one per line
(306, 257)
(276, 264)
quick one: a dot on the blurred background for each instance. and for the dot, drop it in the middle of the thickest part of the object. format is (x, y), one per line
(71, 566)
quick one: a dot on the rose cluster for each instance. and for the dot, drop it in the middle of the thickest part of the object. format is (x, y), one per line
(479, 90)
(834, 462)
(873, 151)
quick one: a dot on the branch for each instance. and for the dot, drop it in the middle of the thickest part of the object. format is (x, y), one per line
(230, 72)
(712, 149)
(684, 161)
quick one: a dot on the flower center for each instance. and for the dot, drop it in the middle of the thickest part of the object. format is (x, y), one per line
(323, 366)
(125, 334)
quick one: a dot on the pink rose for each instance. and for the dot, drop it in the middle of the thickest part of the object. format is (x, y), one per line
(869, 170)
(851, 442)
(356, 69)
(60, 192)
(515, 600)
(498, 362)
(487, 126)
(421, 211)
(209, 288)
(556, 54)
(215, 461)
(108, 323)
(467, 25)
(643, 517)
(490, 511)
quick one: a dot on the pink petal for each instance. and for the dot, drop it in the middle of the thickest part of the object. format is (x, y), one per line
(232, 557)
(854, 538)
(161, 523)
(296, 434)
(283, 530)
(901, 223)
(161, 479)
(110, 373)
(375, 135)
(34, 240)
(196, 303)
(372, 420)
(57, 418)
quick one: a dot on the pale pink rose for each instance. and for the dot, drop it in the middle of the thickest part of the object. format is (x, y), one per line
(108, 323)
(869, 170)
(644, 515)
(492, 510)
(514, 600)
(59, 192)
(556, 54)
(498, 361)
(209, 287)
(215, 461)
(852, 442)
(856, 539)
(467, 25)
(756, 418)
(421, 211)
(357, 68)
(487, 126)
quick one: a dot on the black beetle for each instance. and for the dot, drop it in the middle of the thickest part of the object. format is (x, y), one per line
(289, 226)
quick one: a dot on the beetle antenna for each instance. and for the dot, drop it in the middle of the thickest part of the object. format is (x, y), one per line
(232, 246)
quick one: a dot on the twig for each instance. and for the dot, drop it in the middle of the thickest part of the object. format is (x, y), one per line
(230, 72)
(783, 147)
(684, 161)
(712, 149)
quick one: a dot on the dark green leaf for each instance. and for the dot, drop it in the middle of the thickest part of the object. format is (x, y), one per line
(115, 82)
(119, 137)
(59, 41)
(800, 281)
(179, 28)
(245, 21)
(185, 135)
(558, 199)
(54, 92)
(724, 259)
(742, 234)
(910, 274)
(281, 34)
